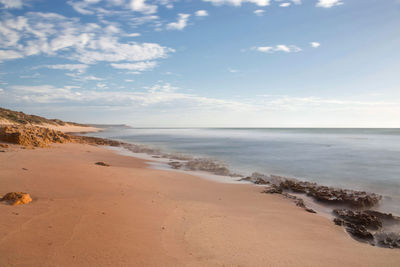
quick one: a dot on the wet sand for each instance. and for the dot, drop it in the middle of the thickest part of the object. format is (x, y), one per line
(129, 215)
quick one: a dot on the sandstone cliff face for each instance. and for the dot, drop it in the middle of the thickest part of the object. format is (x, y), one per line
(31, 136)
(34, 136)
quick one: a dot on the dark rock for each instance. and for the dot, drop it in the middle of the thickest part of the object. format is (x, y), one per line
(310, 210)
(100, 163)
(260, 181)
(338, 221)
(383, 216)
(359, 231)
(272, 189)
(388, 240)
(333, 195)
(359, 218)
(300, 203)
(175, 164)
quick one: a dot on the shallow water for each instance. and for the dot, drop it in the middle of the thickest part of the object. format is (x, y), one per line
(363, 159)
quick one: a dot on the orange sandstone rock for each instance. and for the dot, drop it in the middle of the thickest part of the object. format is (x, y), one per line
(17, 198)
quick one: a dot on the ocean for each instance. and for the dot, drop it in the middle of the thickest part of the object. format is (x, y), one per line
(361, 159)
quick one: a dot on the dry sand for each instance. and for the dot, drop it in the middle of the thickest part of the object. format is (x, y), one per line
(128, 215)
(70, 128)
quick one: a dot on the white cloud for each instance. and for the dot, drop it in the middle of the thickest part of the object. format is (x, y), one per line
(315, 44)
(102, 85)
(143, 7)
(135, 34)
(201, 13)
(259, 12)
(264, 49)
(155, 95)
(329, 3)
(12, 3)
(140, 66)
(10, 54)
(278, 48)
(284, 5)
(239, 2)
(80, 68)
(297, 2)
(1, 90)
(55, 35)
(232, 70)
(180, 24)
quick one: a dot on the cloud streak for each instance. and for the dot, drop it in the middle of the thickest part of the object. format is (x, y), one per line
(277, 48)
(329, 3)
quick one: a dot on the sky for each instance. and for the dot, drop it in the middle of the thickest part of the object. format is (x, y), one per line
(203, 63)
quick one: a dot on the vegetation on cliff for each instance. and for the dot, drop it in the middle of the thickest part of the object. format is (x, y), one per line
(18, 117)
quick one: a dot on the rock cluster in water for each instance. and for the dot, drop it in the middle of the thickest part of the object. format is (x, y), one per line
(368, 226)
(360, 222)
(333, 195)
(16, 198)
(352, 198)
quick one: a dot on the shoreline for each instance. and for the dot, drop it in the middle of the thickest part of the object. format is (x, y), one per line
(349, 208)
(128, 214)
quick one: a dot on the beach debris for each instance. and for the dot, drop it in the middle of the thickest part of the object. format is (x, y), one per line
(17, 198)
(100, 163)
(3, 145)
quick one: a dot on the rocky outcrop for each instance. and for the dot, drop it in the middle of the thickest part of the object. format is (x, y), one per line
(94, 140)
(17, 198)
(369, 221)
(31, 136)
(34, 136)
(272, 189)
(369, 226)
(201, 164)
(353, 198)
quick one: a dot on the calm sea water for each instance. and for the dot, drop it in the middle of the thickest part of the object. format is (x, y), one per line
(364, 159)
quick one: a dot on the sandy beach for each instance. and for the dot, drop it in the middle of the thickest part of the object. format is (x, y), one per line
(84, 214)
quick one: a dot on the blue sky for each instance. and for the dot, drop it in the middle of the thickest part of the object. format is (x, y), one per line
(224, 63)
